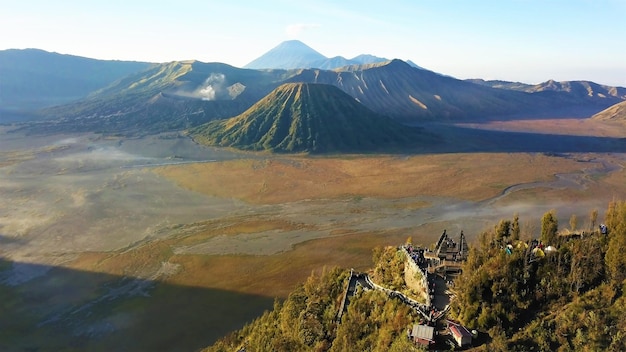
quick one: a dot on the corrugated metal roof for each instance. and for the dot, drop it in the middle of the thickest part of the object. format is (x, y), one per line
(423, 332)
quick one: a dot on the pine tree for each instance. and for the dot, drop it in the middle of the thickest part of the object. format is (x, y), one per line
(549, 227)
(503, 229)
(515, 229)
(573, 222)
(593, 217)
(615, 256)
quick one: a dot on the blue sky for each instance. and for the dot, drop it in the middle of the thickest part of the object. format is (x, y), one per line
(517, 40)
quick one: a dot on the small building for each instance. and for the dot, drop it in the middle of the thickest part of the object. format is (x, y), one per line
(423, 334)
(461, 335)
(448, 249)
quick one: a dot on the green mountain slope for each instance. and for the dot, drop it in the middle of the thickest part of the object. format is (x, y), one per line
(315, 118)
(175, 95)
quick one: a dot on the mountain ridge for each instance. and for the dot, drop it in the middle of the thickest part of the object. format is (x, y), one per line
(310, 118)
(396, 89)
(580, 89)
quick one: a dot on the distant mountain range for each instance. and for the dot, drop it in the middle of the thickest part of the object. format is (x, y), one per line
(294, 54)
(411, 95)
(139, 98)
(32, 78)
(313, 118)
(579, 89)
(180, 95)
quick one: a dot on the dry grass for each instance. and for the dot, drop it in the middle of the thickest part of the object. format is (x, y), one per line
(571, 127)
(280, 180)
(288, 179)
(14, 156)
(269, 276)
(273, 275)
(600, 186)
(11, 157)
(276, 275)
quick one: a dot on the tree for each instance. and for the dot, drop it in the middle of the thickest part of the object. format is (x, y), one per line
(586, 263)
(549, 227)
(485, 241)
(573, 221)
(615, 259)
(593, 217)
(503, 229)
(389, 269)
(403, 344)
(515, 229)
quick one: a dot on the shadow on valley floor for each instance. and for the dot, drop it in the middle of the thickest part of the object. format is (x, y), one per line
(7, 240)
(61, 309)
(438, 137)
(457, 139)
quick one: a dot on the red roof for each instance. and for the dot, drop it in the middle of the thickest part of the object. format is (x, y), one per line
(459, 330)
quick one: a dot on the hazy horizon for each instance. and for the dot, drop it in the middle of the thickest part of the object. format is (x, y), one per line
(528, 41)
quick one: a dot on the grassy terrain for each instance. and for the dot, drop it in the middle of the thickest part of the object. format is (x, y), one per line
(314, 118)
(571, 127)
(278, 180)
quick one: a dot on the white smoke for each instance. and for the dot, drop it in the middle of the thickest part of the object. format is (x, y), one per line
(211, 87)
(294, 30)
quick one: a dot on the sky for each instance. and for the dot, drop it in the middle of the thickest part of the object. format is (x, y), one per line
(527, 41)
